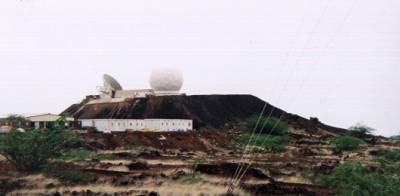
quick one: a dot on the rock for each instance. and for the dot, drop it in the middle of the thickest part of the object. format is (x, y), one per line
(124, 181)
(150, 155)
(178, 175)
(154, 194)
(50, 186)
(138, 166)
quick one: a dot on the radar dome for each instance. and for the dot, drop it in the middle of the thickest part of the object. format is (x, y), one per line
(166, 80)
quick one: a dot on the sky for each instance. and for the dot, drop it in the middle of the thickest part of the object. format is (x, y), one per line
(338, 60)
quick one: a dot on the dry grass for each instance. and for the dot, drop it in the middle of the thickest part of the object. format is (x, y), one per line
(2, 158)
(214, 187)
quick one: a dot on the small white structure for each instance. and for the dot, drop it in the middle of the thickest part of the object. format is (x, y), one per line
(138, 93)
(157, 125)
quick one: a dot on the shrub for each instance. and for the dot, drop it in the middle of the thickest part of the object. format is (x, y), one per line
(357, 180)
(16, 120)
(360, 131)
(82, 154)
(271, 125)
(139, 148)
(31, 150)
(194, 178)
(272, 143)
(346, 143)
(79, 154)
(391, 155)
(68, 175)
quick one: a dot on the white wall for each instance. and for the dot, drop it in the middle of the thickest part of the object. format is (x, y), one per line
(87, 123)
(107, 125)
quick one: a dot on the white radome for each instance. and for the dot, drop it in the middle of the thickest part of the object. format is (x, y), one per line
(166, 80)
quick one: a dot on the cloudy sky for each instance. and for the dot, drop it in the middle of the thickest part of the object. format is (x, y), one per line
(338, 60)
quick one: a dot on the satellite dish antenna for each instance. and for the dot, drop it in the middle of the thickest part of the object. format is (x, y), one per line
(111, 83)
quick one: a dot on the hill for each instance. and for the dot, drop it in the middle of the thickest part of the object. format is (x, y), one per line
(205, 110)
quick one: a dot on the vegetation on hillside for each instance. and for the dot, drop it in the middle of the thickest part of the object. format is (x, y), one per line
(271, 143)
(360, 131)
(68, 175)
(390, 155)
(81, 154)
(33, 149)
(345, 143)
(355, 179)
(272, 138)
(270, 125)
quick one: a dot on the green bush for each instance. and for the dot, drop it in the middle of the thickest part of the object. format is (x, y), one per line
(79, 154)
(16, 121)
(139, 148)
(72, 176)
(360, 131)
(33, 149)
(271, 125)
(82, 154)
(357, 180)
(391, 155)
(68, 175)
(272, 143)
(190, 179)
(345, 143)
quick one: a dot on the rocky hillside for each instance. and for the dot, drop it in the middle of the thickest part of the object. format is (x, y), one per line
(205, 110)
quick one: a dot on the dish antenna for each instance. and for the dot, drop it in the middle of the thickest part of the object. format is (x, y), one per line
(111, 83)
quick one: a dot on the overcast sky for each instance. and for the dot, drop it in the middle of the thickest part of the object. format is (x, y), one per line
(338, 60)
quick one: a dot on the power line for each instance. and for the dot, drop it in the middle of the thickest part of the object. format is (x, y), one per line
(240, 167)
(324, 50)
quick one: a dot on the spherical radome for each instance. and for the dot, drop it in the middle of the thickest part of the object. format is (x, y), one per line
(166, 79)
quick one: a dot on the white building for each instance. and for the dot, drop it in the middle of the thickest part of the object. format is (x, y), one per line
(157, 125)
(45, 120)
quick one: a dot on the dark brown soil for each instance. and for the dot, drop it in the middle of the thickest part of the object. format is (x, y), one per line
(183, 141)
(287, 189)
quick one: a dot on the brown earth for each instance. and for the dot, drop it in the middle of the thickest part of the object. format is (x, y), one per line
(183, 141)
(173, 156)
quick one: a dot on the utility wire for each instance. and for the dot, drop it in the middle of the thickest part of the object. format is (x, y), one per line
(347, 15)
(286, 82)
(288, 53)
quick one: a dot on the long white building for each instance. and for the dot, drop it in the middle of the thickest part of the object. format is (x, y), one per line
(157, 125)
